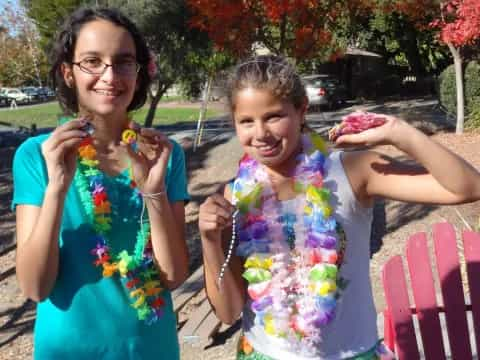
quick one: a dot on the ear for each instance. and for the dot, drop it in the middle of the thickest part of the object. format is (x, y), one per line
(67, 72)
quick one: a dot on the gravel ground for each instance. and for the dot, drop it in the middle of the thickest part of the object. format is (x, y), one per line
(209, 167)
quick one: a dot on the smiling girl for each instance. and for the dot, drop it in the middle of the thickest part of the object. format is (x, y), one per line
(100, 221)
(296, 264)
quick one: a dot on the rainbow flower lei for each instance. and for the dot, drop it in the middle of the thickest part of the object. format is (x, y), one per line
(137, 271)
(293, 288)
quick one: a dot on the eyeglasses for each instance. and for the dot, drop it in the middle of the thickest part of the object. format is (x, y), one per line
(95, 66)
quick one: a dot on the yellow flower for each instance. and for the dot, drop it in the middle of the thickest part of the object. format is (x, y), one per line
(269, 325)
(256, 261)
(323, 288)
(123, 267)
(140, 294)
(109, 269)
(152, 287)
(89, 163)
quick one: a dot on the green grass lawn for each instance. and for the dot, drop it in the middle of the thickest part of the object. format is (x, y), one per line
(46, 115)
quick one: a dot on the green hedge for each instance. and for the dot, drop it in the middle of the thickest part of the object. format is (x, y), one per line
(447, 89)
(448, 92)
(472, 85)
(473, 118)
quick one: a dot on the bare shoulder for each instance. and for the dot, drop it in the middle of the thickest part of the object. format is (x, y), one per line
(356, 163)
(358, 166)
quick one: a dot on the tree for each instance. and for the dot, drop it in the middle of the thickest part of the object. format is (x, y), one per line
(300, 29)
(48, 16)
(165, 25)
(177, 46)
(397, 38)
(458, 26)
(21, 61)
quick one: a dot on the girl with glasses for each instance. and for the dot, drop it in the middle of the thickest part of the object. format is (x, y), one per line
(100, 205)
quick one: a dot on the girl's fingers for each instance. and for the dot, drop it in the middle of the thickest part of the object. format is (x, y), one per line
(134, 126)
(215, 219)
(134, 156)
(216, 215)
(222, 202)
(59, 138)
(72, 124)
(67, 145)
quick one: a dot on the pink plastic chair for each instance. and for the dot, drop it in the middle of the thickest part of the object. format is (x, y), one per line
(399, 329)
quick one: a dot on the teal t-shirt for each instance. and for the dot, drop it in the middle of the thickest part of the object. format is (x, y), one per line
(87, 316)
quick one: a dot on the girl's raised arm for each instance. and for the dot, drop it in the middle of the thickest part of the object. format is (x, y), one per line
(445, 178)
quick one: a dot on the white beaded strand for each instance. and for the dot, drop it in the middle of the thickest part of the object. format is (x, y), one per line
(230, 251)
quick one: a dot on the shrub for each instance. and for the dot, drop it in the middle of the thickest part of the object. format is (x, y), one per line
(472, 86)
(447, 89)
(473, 117)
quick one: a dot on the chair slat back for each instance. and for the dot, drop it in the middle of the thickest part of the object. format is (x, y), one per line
(398, 304)
(421, 276)
(451, 284)
(471, 245)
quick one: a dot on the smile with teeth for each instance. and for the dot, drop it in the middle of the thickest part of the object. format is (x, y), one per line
(107, 92)
(266, 149)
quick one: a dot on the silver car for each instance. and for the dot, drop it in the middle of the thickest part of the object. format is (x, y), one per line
(324, 90)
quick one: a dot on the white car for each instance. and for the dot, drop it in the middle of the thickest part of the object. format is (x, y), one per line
(16, 94)
(324, 90)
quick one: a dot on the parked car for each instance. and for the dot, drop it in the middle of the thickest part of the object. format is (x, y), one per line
(32, 92)
(46, 93)
(3, 98)
(325, 90)
(17, 95)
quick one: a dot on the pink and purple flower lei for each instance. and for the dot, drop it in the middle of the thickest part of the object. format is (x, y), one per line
(293, 290)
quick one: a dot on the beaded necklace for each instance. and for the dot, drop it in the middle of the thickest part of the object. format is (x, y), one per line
(137, 271)
(293, 287)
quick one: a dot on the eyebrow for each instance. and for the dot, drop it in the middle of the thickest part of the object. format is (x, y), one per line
(273, 113)
(119, 55)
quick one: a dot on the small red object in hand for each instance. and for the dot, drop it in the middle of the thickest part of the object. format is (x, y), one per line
(355, 123)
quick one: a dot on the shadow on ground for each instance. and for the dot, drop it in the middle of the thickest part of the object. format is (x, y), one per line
(16, 322)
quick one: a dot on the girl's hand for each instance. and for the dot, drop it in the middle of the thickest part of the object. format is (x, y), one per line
(215, 214)
(60, 153)
(389, 133)
(149, 164)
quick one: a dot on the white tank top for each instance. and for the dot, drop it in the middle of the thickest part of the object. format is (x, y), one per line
(353, 330)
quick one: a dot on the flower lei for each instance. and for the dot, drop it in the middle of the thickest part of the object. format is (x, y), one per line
(293, 285)
(138, 272)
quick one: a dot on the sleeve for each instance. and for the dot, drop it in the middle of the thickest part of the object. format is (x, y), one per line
(29, 174)
(176, 180)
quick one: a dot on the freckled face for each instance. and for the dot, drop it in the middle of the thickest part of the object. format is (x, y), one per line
(268, 129)
(110, 93)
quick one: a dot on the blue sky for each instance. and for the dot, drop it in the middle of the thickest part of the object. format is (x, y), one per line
(4, 3)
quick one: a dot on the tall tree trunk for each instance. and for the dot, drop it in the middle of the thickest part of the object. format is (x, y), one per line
(155, 99)
(203, 111)
(457, 61)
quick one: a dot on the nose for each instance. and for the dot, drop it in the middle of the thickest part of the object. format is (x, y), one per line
(108, 74)
(261, 130)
